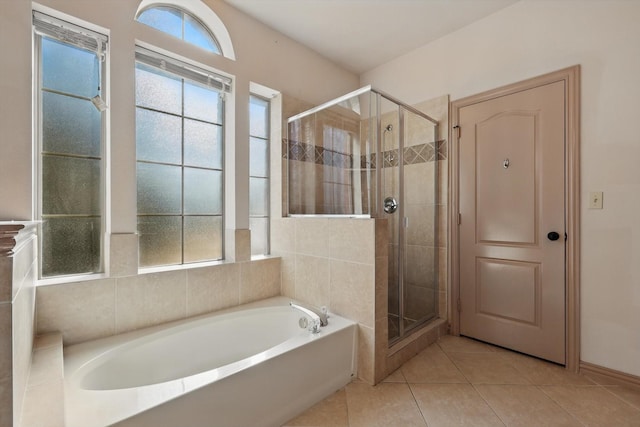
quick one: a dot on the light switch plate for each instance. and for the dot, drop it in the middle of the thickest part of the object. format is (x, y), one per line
(595, 200)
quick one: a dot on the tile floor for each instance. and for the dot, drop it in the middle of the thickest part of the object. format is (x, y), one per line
(462, 382)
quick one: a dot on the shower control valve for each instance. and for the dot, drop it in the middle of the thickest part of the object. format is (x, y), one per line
(390, 205)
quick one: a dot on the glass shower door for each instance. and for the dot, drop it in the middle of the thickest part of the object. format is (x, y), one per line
(409, 183)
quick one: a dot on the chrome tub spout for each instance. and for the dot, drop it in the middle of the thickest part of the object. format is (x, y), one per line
(318, 318)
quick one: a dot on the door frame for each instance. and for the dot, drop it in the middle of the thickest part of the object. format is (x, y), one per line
(571, 77)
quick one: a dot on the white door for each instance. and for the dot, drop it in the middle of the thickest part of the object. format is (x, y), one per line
(512, 231)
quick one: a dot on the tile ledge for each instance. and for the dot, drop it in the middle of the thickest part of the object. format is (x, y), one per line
(44, 402)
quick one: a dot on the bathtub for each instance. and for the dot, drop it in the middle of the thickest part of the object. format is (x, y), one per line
(248, 366)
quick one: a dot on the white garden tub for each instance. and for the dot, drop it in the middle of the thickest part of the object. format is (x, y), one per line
(248, 367)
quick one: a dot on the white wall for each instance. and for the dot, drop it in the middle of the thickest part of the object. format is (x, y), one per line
(534, 37)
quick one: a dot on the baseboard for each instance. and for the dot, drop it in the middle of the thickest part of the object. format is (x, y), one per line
(616, 377)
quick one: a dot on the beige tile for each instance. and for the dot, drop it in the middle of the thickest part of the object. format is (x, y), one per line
(6, 279)
(46, 366)
(443, 221)
(123, 254)
(381, 347)
(150, 299)
(432, 365)
(6, 342)
(382, 288)
(594, 405)
(331, 412)
(352, 291)
(288, 266)
(352, 240)
(52, 339)
(81, 311)
(242, 245)
(604, 379)
(442, 269)
(421, 224)
(43, 406)
(525, 406)
(486, 368)
(312, 280)
(382, 237)
(629, 394)
(213, 288)
(453, 405)
(366, 356)
(395, 377)
(260, 279)
(443, 305)
(387, 404)
(539, 372)
(6, 410)
(312, 236)
(283, 237)
(451, 343)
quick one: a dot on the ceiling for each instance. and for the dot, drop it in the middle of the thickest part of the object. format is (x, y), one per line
(360, 35)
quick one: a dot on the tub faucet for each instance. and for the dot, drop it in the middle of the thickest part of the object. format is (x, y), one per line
(318, 319)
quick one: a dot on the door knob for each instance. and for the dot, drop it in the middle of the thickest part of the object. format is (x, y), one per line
(553, 235)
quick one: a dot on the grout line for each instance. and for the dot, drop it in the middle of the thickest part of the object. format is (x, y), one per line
(504, 423)
(560, 405)
(607, 388)
(426, 423)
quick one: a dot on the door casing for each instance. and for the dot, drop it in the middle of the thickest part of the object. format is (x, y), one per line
(571, 77)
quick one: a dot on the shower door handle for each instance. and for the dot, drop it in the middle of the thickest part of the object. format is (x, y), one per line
(390, 205)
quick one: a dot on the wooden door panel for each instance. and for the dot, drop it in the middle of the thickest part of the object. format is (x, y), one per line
(514, 281)
(512, 290)
(506, 178)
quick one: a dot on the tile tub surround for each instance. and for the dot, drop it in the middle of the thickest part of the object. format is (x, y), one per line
(93, 309)
(332, 262)
(450, 384)
(18, 248)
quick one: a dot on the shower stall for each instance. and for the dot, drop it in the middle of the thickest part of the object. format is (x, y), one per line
(366, 154)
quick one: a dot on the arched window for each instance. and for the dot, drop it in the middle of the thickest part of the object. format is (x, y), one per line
(180, 24)
(188, 20)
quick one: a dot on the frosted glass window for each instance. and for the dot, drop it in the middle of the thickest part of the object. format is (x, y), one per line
(70, 186)
(202, 144)
(258, 202)
(158, 137)
(69, 69)
(181, 24)
(70, 245)
(259, 174)
(160, 240)
(258, 165)
(259, 117)
(259, 235)
(202, 103)
(179, 142)
(166, 19)
(70, 125)
(159, 189)
(202, 191)
(201, 234)
(70, 150)
(158, 90)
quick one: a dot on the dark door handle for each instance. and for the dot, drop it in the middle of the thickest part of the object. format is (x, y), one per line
(553, 235)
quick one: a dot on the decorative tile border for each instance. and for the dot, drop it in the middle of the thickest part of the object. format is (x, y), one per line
(415, 154)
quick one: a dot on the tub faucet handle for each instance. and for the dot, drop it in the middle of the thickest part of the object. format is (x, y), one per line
(316, 321)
